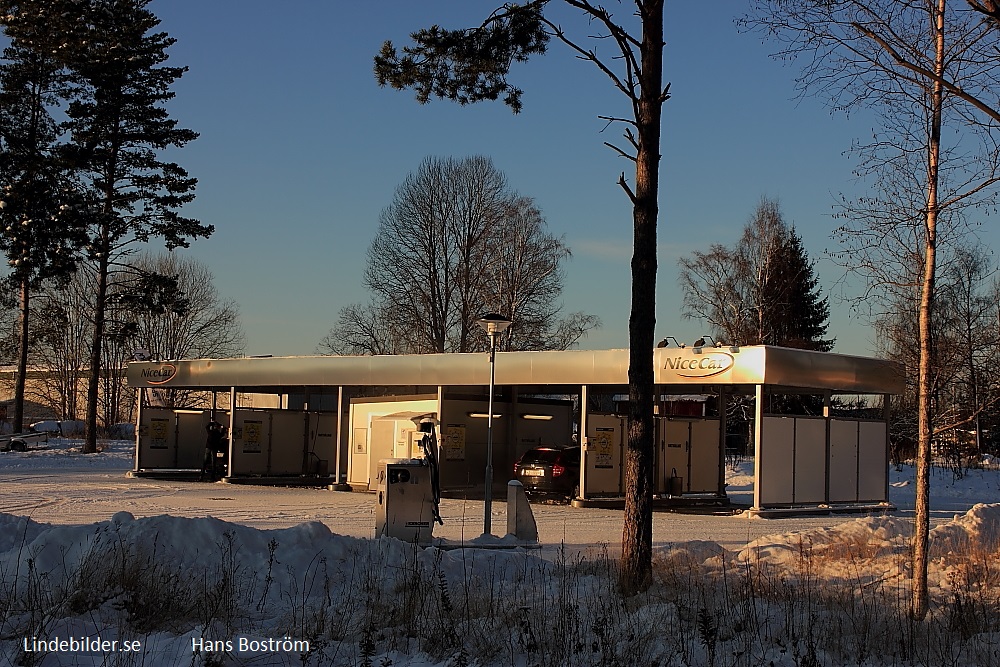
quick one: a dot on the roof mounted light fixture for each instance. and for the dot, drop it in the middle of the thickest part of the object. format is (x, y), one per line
(665, 342)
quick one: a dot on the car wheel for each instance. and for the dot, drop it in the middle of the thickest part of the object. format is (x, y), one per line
(18, 446)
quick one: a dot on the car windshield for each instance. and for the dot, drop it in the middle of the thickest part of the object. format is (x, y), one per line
(541, 456)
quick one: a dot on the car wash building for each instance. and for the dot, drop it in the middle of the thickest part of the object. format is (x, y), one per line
(333, 418)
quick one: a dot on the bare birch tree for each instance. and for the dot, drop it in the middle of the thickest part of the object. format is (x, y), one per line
(920, 67)
(457, 242)
(209, 326)
(191, 321)
(971, 312)
(62, 345)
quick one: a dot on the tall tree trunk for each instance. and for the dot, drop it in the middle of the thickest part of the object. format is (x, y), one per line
(96, 346)
(637, 534)
(918, 607)
(22, 356)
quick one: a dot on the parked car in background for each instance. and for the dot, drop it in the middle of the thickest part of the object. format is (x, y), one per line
(46, 426)
(72, 428)
(122, 431)
(67, 428)
(550, 471)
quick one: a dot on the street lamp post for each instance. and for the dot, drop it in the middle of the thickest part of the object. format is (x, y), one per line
(493, 325)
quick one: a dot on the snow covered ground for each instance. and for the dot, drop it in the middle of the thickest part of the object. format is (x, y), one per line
(282, 576)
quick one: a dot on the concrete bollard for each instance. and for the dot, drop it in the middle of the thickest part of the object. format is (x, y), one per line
(520, 519)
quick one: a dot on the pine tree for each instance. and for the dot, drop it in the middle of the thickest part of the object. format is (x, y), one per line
(119, 129)
(40, 221)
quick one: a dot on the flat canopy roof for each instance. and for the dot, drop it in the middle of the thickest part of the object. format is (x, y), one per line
(708, 366)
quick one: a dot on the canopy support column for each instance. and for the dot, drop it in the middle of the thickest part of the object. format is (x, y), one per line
(723, 406)
(340, 478)
(758, 426)
(232, 426)
(827, 401)
(138, 425)
(582, 437)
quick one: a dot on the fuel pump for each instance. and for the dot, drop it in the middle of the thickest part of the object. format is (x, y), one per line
(428, 426)
(409, 491)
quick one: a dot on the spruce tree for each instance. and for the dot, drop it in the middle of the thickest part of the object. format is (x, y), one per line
(120, 129)
(801, 314)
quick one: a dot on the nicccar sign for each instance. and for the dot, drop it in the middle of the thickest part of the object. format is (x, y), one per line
(159, 374)
(700, 366)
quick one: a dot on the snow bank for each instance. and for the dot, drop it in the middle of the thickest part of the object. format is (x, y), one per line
(60, 552)
(978, 529)
(65, 455)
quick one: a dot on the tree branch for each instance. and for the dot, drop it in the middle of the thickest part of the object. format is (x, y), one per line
(605, 17)
(619, 151)
(989, 8)
(627, 189)
(615, 119)
(928, 74)
(964, 195)
(585, 54)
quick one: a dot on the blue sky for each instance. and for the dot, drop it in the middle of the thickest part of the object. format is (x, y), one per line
(300, 150)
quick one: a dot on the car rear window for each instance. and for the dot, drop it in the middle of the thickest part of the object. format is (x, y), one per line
(541, 456)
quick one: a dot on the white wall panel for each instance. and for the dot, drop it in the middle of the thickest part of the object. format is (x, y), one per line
(810, 460)
(874, 462)
(776, 464)
(843, 460)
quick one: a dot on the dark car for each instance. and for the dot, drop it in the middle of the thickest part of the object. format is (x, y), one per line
(550, 470)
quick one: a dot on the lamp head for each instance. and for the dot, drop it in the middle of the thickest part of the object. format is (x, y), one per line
(493, 323)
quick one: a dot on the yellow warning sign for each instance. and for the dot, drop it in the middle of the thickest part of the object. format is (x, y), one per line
(158, 433)
(601, 445)
(252, 431)
(454, 442)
